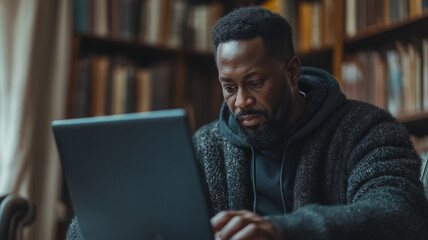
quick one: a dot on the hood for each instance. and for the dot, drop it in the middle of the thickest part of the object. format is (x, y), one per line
(323, 98)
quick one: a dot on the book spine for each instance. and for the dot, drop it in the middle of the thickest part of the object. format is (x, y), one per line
(80, 16)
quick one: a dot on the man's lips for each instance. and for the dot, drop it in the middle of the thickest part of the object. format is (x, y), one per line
(250, 119)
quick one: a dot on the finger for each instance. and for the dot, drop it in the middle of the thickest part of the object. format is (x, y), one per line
(221, 219)
(237, 223)
(261, 230)
(251, 231)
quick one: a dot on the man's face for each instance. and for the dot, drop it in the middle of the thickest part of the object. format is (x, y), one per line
(256, 87)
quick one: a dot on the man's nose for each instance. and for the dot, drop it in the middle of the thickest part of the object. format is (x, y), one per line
(243, 99)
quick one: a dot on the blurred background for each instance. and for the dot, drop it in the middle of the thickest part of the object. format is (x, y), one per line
(63, 59)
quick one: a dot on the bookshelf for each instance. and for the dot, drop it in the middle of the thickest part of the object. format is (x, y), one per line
(406, 30)
(130, 34)
(101, 32)
(376, 49)
(143, 54)
(335, 35)
(378, 53)
(379, 34)
(359, 30)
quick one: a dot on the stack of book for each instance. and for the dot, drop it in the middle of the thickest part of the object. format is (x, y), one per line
(105, 85)
(395, 79)
(363, 14)
(171, 23)
(315, 20)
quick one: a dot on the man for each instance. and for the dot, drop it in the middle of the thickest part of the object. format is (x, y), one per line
(291, 157)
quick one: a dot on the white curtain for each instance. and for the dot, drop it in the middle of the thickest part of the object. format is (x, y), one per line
(35, 38)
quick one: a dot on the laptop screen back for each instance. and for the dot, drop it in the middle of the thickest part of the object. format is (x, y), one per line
(133, 176)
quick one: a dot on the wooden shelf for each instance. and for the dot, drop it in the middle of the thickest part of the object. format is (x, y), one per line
(379, 34)
(107, 45)
(417, 124)
(316, 51)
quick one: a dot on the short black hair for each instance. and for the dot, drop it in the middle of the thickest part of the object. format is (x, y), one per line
(250, 22)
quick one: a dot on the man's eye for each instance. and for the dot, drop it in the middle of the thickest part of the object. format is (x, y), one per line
(229, 89)
(256, 84)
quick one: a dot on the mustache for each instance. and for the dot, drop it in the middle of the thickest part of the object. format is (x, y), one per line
(249, 112)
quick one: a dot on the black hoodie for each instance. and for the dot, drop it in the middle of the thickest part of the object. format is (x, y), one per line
(273, 169)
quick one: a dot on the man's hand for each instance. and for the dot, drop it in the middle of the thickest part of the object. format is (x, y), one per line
(243, 225)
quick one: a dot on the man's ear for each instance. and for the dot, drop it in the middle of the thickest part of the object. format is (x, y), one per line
(293, 70)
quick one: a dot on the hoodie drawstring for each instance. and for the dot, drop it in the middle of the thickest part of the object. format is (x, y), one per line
(253, 178)
(280, 178)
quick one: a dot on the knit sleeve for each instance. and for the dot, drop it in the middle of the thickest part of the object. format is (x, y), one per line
(384, 196)
(73, 232)
(204, 141)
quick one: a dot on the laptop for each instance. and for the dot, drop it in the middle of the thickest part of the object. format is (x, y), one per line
(133, 176)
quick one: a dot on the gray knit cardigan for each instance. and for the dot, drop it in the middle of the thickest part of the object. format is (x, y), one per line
(357, 178)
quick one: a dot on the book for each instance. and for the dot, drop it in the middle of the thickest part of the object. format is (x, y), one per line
(109, 86)
(328, 11)
(130, 89)
(201, 27)
(351, 76)
(393, 10)
(305, 28)
(156, 22)
(81, 16)
(418, 82)
(425, 74)
(395, 82)
(177, 23)
(214, 14)
(386, 11)
(119, 90)
(351, 24)
(129, 16)
(404, 64)
(73, 85)
(143, 89)
(402, 9)
(415, 8)
(277, 6)
(379, 12)
(362, 14)
(99, 85)
(161, 73)
(115, 18)
(316, 38)
(100, 17)
(144, 20)
(414, 80)
(371, 13)
(189, 33)
(379, 78)
(84, 88)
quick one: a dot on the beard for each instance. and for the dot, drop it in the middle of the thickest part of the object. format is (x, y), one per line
(260, 139)
(274, 129)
